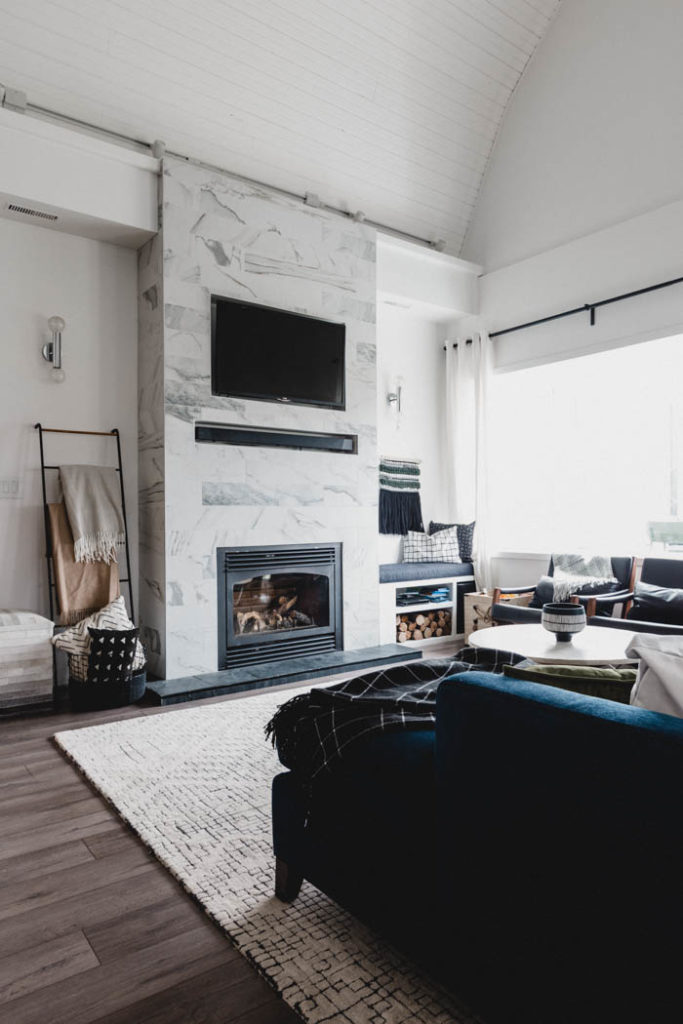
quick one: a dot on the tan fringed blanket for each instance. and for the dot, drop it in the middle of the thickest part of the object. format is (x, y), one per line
(82, 587)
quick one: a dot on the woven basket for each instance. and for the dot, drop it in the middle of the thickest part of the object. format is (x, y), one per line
(91, 697)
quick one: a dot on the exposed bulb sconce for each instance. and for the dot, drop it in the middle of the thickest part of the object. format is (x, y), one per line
(394, 397)
(52, 351)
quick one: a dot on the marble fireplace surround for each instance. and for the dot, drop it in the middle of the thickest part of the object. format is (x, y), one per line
(222, 236)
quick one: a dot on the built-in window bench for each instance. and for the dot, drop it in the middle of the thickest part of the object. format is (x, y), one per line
(421, 603)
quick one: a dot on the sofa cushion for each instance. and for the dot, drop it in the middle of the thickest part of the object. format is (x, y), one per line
(405, 572)
(657, 604)
(465, 536)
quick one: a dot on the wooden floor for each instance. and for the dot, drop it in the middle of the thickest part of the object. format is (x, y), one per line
(92, 928)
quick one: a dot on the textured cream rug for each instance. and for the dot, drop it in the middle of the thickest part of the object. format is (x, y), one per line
(195, 786)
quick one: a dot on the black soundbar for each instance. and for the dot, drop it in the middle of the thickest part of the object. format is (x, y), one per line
(266, 437)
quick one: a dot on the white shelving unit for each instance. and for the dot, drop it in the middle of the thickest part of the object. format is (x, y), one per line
(389, 608)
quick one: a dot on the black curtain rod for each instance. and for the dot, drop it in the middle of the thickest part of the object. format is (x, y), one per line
(588, 307)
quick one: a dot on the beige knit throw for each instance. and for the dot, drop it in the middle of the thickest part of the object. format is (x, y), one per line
(92, 496)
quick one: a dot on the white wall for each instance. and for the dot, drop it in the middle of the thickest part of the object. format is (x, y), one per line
(593, 134)
(410, 351)
(93, 286)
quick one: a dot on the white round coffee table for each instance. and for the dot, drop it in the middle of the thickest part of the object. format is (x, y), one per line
(594, 645)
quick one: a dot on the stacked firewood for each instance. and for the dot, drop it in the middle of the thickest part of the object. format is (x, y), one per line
(423, 625)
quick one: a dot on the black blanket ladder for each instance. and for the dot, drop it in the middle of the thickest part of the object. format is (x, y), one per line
(48, 542)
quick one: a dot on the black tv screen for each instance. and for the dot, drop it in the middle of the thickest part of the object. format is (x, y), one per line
(275, 356)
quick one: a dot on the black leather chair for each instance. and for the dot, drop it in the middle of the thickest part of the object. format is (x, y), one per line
(602, 605)
(657, 600)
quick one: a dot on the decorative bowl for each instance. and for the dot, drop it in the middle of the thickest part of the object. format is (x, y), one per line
(563, 619)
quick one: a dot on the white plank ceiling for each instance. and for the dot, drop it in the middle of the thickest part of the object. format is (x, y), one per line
(387, 106)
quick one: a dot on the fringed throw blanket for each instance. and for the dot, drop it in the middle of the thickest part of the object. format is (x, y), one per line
(313, 731)
(572, 573)
(399, 496)
(92, 495)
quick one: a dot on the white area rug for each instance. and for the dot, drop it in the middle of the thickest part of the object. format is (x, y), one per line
(195, 786)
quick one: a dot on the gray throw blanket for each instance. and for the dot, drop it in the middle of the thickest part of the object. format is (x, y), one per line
(572, 573)
(92, 496)
(659, 686)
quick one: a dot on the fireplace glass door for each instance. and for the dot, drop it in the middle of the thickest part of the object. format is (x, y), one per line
(280, 602)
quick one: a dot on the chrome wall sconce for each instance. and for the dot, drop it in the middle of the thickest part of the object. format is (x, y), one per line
(394, 397)
(52, 351)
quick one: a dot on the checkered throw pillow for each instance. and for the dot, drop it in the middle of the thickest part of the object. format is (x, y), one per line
(442, 547)
(465, 536)
(76, 640)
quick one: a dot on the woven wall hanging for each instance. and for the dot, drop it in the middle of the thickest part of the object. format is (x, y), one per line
(400, 509)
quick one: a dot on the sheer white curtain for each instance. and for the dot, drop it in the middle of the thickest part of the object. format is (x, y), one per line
(468, 375)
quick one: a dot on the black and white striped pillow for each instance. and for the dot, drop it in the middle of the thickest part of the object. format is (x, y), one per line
(442, 547)
(76, 640)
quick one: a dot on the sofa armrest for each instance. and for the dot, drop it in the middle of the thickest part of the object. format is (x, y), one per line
(591, 601)
(636, 626)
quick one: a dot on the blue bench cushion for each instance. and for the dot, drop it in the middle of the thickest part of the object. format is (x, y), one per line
(399, 572)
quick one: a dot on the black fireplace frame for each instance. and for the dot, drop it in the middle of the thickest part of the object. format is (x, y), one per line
(260, 648)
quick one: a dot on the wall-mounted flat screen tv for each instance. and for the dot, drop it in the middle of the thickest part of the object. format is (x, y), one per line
(275, 356)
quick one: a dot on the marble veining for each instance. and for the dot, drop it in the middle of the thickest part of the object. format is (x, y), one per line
(226, 237)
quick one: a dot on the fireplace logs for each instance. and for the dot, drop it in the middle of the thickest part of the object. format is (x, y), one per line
(261, 607)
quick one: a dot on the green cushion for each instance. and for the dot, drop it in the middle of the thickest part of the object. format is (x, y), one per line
(609, 683)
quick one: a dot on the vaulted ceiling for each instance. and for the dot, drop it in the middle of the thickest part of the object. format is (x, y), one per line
(391, 107)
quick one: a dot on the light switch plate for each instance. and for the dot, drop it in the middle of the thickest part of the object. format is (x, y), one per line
(10, 487)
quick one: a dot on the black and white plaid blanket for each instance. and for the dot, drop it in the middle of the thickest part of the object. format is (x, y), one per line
(314, 730)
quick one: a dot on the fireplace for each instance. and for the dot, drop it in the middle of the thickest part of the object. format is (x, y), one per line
(278, 602)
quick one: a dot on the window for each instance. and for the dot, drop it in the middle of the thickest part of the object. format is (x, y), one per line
(587, 452)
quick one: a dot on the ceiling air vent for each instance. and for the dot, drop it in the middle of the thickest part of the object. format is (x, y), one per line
(28, 212)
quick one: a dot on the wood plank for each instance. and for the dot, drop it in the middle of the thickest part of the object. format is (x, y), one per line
(16, 821)
(219, 996)
(132, 978)
(43, 966)
(140, 929)
(40, 892)
(274, 1012)
(14, 774)
(56, 767)
(43, 862)
(58, 832)
(33, 795)
(112, 843)
(108, 903)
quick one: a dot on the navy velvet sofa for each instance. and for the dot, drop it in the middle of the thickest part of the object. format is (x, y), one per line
(527, 851)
